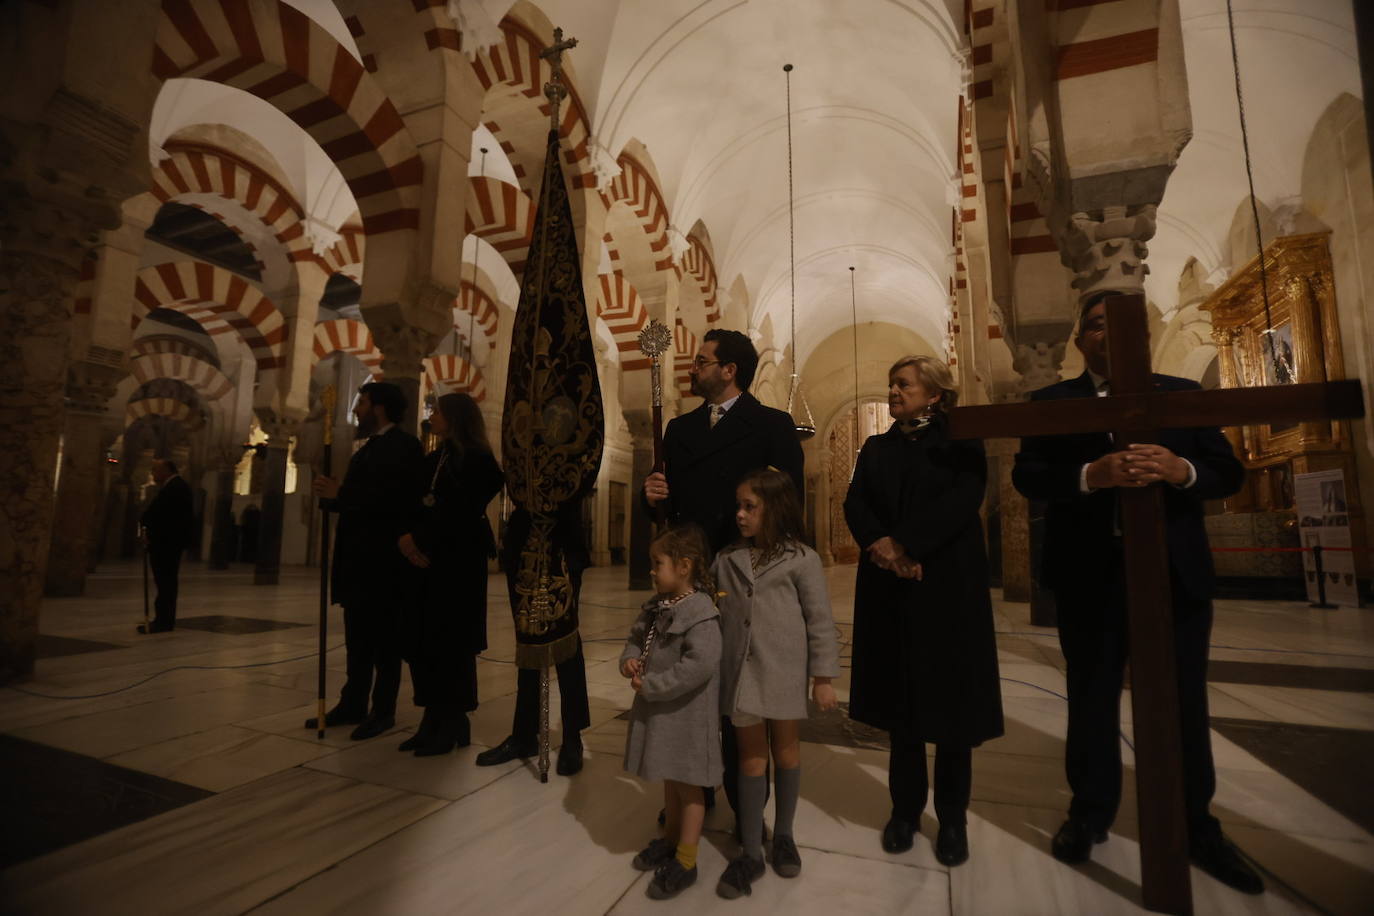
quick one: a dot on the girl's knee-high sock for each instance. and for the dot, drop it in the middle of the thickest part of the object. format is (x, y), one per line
(788, 783)
(753, 791)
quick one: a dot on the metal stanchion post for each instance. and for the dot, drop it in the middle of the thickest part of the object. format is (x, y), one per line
(1321, 580)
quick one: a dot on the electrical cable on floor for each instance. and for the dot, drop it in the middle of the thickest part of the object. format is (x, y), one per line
(92, 696)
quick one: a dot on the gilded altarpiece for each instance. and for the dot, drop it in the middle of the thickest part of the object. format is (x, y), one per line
(1306, 348)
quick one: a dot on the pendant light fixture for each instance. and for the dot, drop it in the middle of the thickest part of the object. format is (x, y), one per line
(797, 407)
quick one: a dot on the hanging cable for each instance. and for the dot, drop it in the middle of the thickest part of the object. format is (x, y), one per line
(807, 426)
(1269, 333)
(854, 319)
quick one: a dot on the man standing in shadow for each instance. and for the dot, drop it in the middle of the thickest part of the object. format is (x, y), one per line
(375, 503)
(168, 529)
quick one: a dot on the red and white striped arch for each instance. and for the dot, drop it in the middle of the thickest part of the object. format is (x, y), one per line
(515, 61)
(457, 374)
(474, 301)
(346, 255)
(219, 301)
(162, 358)
(199, 169)
(637, 188)
(279, 54)
(348, 335)
(701, 267)
(171, 408)
(499, 213)
(684, 351)
(618, 304)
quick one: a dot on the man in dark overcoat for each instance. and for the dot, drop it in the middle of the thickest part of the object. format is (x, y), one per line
(375, 503)
(709, 450)
(1078, 476)
(168, 529)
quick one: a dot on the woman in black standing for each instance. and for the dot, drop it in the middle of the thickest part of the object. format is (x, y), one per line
(924, 651)
(448, 545)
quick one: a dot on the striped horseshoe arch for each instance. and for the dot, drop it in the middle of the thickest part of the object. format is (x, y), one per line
(474, 301)
(618, 305)
(684, 351)
(701, 267)
(160, 358)
(277, 53)
(170, 408)
(219, 301)
(348, 335)
(637, 189)
(500, 214)
(457, 373)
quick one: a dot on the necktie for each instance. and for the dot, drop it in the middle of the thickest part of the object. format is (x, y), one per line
(716, 413)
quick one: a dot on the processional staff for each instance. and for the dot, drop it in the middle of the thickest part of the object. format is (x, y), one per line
(654, 341)
(327, 399)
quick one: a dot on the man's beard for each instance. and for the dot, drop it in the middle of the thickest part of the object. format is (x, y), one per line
(367, 426)
(708, 390)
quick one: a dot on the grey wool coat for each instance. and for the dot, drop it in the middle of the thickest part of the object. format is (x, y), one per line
(778, 631)
(674, 728)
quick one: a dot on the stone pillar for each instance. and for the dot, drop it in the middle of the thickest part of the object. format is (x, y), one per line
(1014, 522)
(222, 547)
(89, 389)
(404, 348)
(116, 510)
(641, 524)
(279, 431)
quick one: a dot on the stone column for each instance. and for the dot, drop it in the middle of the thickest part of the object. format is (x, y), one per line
(1014, 523)
(222, 507)
(279, 431)
(89, 389)
(404, 348)
(641, 524)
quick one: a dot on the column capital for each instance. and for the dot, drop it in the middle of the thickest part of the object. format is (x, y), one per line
(1038, 364)
(404, 347)
(279, 425)
(1106, 249)
(91, 385)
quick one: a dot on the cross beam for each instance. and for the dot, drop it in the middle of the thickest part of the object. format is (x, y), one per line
(1136, 413)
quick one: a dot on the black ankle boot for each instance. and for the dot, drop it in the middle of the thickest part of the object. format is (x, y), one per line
(463, 734)
(442, 739)
(428, 722)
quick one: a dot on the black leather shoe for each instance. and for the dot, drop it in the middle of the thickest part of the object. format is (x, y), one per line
(1073, 843)
(898, 835)
(335, 717)
(570, 757)
(507, 750)
(372, 727)
(154, 627)
(951, 845)
(1216, 856)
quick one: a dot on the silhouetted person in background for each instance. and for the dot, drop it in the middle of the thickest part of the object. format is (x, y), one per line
(168, 527)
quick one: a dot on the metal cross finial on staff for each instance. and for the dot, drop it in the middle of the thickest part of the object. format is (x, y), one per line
(554, 90)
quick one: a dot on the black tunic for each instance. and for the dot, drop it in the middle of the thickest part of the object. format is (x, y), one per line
(449, 613)
(924, 652)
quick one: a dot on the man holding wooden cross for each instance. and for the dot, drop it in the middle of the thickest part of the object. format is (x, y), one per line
(1081, 475)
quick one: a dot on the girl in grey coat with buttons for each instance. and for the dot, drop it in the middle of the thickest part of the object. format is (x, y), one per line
(672, 658)
(778, 634)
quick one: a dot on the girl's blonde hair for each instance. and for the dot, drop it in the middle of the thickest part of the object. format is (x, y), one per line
(782, 526)
(934, 376)
(688, 542)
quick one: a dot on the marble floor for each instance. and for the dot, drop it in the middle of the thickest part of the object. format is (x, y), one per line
(253, 814)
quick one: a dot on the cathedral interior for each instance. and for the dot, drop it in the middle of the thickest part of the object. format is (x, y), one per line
(220, 218)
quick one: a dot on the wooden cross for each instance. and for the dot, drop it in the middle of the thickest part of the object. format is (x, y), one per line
(1134, 412)
(554, 90)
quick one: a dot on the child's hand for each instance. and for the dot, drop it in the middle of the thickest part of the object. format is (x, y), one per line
(637, 682)
(824, 694)
(631, 667)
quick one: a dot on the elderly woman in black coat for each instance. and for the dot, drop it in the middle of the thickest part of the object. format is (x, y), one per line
(448, 545)
(924, 653)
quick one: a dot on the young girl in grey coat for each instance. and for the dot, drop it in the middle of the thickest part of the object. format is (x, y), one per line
(778, 634)
(672, 658)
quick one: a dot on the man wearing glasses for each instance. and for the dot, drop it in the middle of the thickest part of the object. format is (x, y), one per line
(706, 453)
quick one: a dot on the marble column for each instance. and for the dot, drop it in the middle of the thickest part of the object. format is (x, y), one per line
(641, 524)
(89, 389)
(1014, 520)
(222, 547)
(279, 431)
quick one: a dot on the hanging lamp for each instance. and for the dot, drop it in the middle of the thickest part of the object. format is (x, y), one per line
(797, 407)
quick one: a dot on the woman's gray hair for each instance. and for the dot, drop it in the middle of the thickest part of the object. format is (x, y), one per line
(934, 375)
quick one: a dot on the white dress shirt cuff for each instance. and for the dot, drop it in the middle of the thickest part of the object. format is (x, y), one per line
(1192, 476)
(1083, 487)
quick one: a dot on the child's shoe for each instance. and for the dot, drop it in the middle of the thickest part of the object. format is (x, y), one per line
(739, 877)
(658, 851)
(670, 879)
(786, 859)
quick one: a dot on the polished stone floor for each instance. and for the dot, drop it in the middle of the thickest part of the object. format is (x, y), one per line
(205, 794)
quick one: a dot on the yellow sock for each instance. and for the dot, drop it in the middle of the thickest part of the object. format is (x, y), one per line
(687, 855)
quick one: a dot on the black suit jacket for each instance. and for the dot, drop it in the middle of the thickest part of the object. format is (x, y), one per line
(169, 518)
(1081, 549)
(376, 504)
(704, 464)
